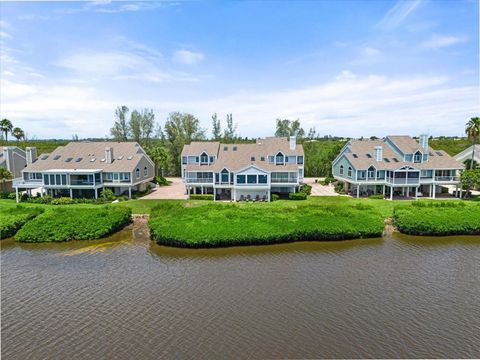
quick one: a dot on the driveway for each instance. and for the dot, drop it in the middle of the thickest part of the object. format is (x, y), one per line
(319, 189)
(176, 190)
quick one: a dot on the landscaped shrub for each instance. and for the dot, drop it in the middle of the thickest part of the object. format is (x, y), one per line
(161, 181)
(340, 188)
(62, 201)
(438, 218)
(68, 223)
(107, 194)
(201, 197)
(7, 195)
(328, 180)
(274, 197)
(217, 224)
(305, 188)
(12, 219)
(297, 196)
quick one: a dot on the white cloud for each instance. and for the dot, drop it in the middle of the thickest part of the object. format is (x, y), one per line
(436, 41)
(398, 13)
(4, 24)
(188, 57)
(5, 35)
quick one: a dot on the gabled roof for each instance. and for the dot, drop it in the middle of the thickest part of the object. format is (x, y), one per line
(467, 154)
(240, 158)
(126, 157)
(406, 144)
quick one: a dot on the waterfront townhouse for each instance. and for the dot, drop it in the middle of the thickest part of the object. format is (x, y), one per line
(395, 165)
(83, 169)
(243, 171)
(14, 160)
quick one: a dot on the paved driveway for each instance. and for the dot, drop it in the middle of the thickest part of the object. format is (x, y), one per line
(176, 190)
(319, 189)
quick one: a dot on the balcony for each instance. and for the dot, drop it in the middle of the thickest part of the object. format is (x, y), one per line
(403, 181)
(447, 178)
(28, 183)
(81, 182)
(284, 180)
(199, 180)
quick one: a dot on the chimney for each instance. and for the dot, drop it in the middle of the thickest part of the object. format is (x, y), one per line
(30, 154)
(8, 156)
(293, 142)
(378, 153)
(109, 155)
(423, 140)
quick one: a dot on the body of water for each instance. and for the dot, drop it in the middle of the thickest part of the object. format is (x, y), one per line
(399, 296)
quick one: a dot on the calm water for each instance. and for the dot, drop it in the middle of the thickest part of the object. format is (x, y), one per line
(118, 298)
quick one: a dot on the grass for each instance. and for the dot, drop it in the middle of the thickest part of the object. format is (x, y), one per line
(70, 223)
(13, 218)
(438, 218)
(197, 224)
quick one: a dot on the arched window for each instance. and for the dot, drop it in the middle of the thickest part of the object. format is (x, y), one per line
(145, 171)
(204, 158)
(371, 172)
(349, 173)
(341, 169)
(137, 172)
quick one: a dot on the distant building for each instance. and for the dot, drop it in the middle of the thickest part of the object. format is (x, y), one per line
(83, 169)
(395, 164)
(467, 154)
(14, 160)
(243, 171)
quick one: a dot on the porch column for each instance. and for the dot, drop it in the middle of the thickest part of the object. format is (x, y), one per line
(41, 191)
(430, 190)
(456, 190)
(416, 193)
(461, 192)
(358, 191)
(269, 195)
(129, 192)
(71, 193)
(16, 194)
(383, 190)
(433, 191)
(201, 189)
(391, 192)
(96, 193)
(234, 194)
(403, 191)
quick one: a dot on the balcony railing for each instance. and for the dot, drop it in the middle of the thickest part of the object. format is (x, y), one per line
(81, 182)
(403, 181)
(447, 178)
(20, 181)
(283, 180)
(199, 180)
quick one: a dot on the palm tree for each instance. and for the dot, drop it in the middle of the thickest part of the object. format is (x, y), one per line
(4, 176)
(6, 127)
(18, 133)
(472, 129)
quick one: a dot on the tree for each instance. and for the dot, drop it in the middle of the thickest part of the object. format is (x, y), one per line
(120, 130)
(229, 133)
(470, 179)
(135, 125)
(470, 165)
(181, 129)
(18, 133)
(216, 128)
(286, 128)
(6, 127)
(147, 124)
(160, 157)
(472, 129)
(312, 133)
(4, 176)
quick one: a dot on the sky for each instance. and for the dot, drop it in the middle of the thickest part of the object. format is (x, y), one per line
(346, 68)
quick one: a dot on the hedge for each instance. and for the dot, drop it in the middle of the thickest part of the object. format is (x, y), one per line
(13, 219)
(201, 197)
(438, 218)
(219, 224)
(297, 196)
(64, 224)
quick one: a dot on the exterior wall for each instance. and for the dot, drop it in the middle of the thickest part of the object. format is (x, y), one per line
(336, 168)
(141, 165)
(14, 160)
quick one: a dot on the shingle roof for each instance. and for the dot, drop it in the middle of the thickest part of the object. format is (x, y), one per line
(438, 159)
(126, 157)
(405, 143)
(242, 156)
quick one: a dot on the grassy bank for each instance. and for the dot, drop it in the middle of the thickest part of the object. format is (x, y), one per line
(69, 223)
(438, 218)
(188, 224)
(13, 218)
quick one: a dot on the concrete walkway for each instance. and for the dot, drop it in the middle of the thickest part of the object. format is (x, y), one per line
(319, 189)
(175, 191)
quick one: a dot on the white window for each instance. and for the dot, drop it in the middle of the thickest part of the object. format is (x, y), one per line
(137, 172)
(145, 171)
(349, 173)
(341, 169)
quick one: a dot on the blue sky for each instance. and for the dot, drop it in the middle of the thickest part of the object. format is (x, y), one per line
(347, 68)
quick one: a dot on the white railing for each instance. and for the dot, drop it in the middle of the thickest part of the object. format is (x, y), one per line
(283, 180)
(447, 178)
(403, 181)
(21, 181)
(199, 180)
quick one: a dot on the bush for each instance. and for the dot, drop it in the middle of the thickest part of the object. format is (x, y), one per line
(305, 188)
(217, 224)
(274, 197)
(297, 196)
(64, 224)
(328, 180)
(107, 194)
(378, 196)
(7, 195)
(161, 181)
(201, 197)
(340, 188)
(13, 219)
(438, 218)
(62, 201)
